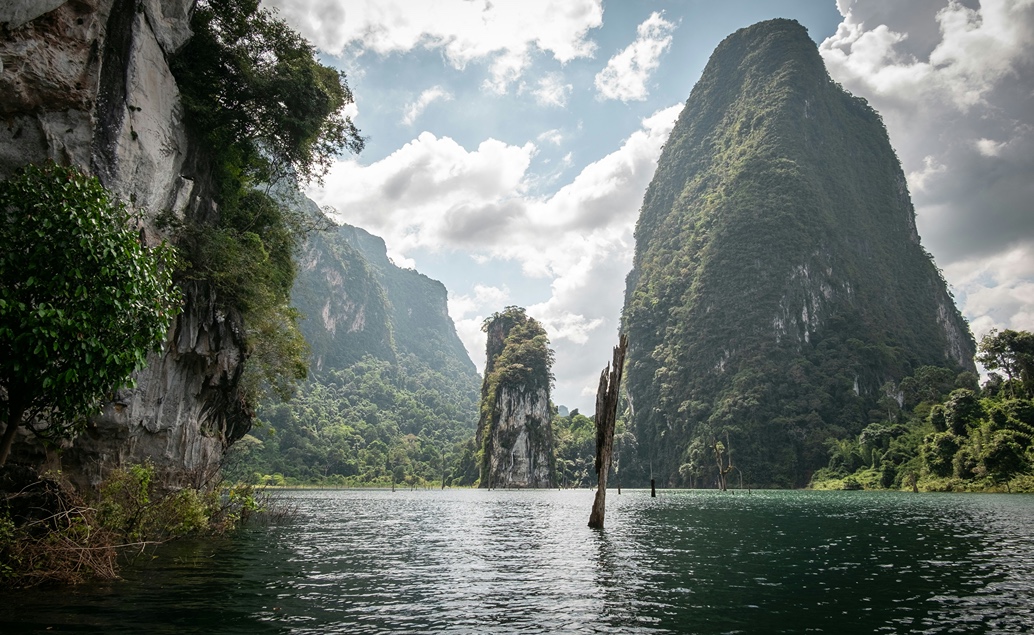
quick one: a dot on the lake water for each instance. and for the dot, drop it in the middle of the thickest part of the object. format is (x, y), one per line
(469, 561)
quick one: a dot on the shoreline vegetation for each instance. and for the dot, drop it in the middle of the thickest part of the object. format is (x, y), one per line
(52, 534)
(943, 432)
(868, 481)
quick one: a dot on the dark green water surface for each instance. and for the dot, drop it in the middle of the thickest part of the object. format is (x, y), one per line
(472, 561)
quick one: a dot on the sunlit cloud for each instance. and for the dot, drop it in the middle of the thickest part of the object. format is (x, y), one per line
(426, 98)
(626, 73)
(435, 194)
(503, 35)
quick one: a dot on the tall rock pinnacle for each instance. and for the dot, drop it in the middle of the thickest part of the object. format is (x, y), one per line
(779, 288)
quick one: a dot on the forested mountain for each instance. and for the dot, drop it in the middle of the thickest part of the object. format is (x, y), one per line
(391, 390)
(779, 289)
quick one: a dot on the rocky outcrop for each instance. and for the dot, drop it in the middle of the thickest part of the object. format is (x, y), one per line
(515, 432)
(87, 82)
(519, 450)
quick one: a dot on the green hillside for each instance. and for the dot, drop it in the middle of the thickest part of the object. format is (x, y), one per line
(392, 392)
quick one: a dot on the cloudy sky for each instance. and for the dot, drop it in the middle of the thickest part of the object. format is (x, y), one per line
(510, 142)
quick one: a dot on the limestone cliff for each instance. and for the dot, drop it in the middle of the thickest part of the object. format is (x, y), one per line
(514, 432)
(87, 82)
(779, 288)
(346, 310)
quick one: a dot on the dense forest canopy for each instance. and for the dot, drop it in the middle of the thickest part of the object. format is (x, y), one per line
(392, 396)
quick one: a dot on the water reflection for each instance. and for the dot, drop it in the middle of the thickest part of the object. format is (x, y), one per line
(524, 561)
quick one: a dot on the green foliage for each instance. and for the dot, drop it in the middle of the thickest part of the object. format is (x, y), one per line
(269, 114)
(575, 446)
(137, 507)
(1012, 352)
(392, 389)
(969, 441)
(778, 284)
(938, 452)
(519, 353)
(962, 411)
(360, 426)
(82, 302)
(254, 88)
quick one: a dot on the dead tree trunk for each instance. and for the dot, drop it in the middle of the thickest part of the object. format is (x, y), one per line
(606, 419)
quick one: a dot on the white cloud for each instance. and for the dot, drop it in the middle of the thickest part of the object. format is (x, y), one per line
(996, 291)
(433, 193)
(351, 111)
(502, 33)
(552, 91)
(426, 98)
(626, 73)
(954, 85)
(553, 136)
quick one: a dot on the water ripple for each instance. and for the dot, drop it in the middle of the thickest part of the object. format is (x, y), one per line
(525, 562)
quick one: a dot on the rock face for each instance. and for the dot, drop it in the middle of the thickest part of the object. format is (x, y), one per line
(779, 288)
(345, 307)
(514, 431)
(87, 82)
(357, 302)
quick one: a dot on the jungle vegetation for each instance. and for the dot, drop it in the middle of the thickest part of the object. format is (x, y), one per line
(393, 395)
(942, 432)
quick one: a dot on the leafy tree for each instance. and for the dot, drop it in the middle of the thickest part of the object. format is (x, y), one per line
(936, 418)
(81, 300)
(1012, 352)
(939, 451)
(962, 411)
(1003, 455)
(928, 383)
(254, 87)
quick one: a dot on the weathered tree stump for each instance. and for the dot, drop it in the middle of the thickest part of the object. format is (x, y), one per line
(606, 418)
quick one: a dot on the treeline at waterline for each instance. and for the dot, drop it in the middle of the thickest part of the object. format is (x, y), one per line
(942, 432)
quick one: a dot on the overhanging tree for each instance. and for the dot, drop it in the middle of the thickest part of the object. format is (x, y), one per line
(269, 115)
(82, 301)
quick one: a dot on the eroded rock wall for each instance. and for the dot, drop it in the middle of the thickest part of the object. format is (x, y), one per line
(515, 432)
(87, 82)
(520, 450)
